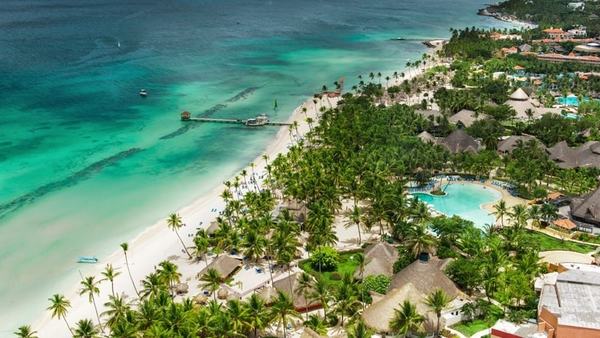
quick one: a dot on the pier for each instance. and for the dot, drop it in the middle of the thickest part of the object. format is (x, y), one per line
(260, 120)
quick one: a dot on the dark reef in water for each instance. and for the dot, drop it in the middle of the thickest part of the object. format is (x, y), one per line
(72, 180)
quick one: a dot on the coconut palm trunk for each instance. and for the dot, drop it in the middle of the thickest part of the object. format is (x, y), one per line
(183, 244)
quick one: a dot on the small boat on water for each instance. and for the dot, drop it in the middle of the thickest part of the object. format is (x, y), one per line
(87, 259)
(398, 39)
(258, 121)
(143, 92)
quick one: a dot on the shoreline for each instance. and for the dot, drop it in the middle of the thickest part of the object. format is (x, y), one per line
(503, 17)
(157, 243)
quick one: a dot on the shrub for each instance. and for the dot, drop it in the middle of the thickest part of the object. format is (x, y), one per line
(336, 276)
(404, 259)
(324, 259)
(379, 283)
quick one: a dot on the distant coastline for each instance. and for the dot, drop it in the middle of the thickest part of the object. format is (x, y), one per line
(492, 11)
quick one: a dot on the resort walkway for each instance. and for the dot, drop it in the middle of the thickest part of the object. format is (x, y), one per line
(482, 333)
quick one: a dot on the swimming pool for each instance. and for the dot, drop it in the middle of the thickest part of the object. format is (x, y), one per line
(464, 200)
(571, 100)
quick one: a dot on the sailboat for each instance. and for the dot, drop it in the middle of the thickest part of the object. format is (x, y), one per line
(119, 44)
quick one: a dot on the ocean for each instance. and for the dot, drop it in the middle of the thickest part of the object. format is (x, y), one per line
(86, 163)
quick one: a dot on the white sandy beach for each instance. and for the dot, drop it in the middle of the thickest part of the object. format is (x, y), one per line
(158, 243)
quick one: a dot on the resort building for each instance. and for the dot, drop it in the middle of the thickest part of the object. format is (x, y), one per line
(225, 265)
(459, 141)
(414, 283)
(569, 305)
(589, 59)
(589, 48)
(526, 107)
(586, 155)
(585, 211)
(465, 118)
(578, 31)
(290, 286)
(576, 6)
(557, 33)
(508, 144)
(379, 260)
(506, 329)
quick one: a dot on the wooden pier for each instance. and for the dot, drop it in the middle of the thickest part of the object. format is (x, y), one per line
(185, 116)
(232, 121)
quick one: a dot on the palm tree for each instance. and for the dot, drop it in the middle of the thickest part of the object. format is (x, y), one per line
(283, 309)
(354, 220)
(406, 319)
(360, 260)
(321, 293)
(85, 329)
(90, 287)
(238, 317)
(359, 330)
(25, 331)
(152, 286)
(500, 210)
(211, 280)
(59, 305)
(125, 247)
(438, 301)
(420, 240)
(117, 308)
(169, 275)
(519, 216)
(110, 274)
(305, 283)
(174, 223)
(259, 317)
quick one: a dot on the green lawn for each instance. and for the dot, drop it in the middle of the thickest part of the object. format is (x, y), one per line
(550, 243)
(346, 265)
(472, 327)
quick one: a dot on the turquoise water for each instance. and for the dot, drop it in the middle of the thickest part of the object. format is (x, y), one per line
(464, 200)
(571, 101)
(85, 163)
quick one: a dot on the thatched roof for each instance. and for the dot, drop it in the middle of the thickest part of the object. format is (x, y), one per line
(466, 117)
(212, 228)
(181, 288)
(379, 314)
(510, 143)
(427, 137)
(225, 266)
(585, 156)
(285, 285)
(426, 277)
(459, 141)
(519, 95)
(308, 333)
(588, 207)
(379, 260)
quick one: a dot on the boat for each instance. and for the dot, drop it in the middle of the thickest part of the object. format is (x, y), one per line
(399, 39)
(258, 121)
(87, 259)
(143, 92)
